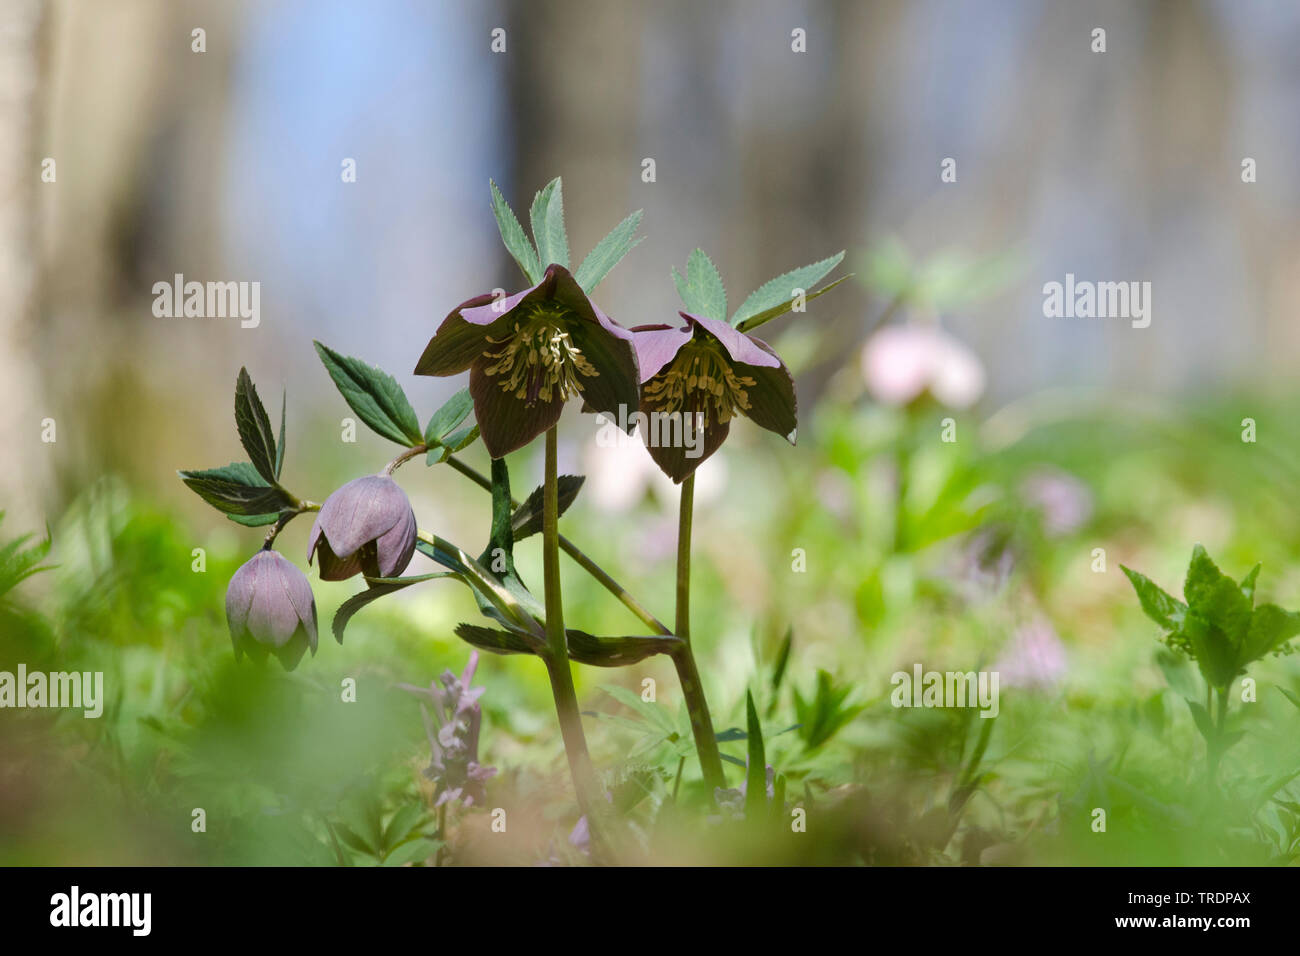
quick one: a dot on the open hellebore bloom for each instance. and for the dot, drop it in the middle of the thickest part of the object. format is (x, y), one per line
(530, 353)
(270, 608)
(700, 376)
(367, 525)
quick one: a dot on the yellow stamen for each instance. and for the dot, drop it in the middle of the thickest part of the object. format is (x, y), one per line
(537, 359)
(700, 380)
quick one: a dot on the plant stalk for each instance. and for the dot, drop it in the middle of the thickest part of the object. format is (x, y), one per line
(706, 742)
(557, 650)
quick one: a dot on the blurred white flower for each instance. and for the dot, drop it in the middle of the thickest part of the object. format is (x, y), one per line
(900, 363)
(620, 475)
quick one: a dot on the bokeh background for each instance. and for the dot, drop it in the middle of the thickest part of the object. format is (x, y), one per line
(1072, 434)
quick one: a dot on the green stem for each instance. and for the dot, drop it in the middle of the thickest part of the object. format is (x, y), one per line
(581, 559)
(697, 706)
(557, 651)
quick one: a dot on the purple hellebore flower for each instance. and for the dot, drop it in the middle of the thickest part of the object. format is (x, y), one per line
(530, 353)
(704, 373)
(367, 525)
(270, 608)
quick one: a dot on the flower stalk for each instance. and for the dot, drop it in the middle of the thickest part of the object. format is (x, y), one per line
(697, 706)
(557, 650)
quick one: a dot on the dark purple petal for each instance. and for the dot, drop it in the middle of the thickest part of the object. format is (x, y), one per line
(395, 547)
(614, 358)
(772, 401)
(740, 346)
(458, 341)
(676, 459)
(505, 422)
(658, 345)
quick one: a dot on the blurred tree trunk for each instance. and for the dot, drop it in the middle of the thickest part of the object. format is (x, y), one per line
(21, 68)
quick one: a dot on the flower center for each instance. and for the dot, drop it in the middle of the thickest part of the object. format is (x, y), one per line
(538, 360)
(699, 379)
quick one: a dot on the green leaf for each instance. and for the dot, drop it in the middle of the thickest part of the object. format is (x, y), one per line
(1215, 655)
(608, 253)
(547, 218)
(1248, 582)
(355, 603)
(18, 561)
(458, 440)
(776, 296)
(279, 447)
(512, 234)
(451, 414)
(1270, 628)
(254, 427)
(753, 322)
(494, 640)
(254, 521)
(1159, 605)
(1204, 723)
(527, 519)
(374, 395)
(701, 289)
(1203, 576)
(1228, 609)
(653, 714)
(756, 767)
(413, 851)
(403, 822)
(237, 489)
(617, 651)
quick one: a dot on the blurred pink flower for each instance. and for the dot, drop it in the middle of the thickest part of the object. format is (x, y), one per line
(900, 363)
(1034, 657)
(1065, 501)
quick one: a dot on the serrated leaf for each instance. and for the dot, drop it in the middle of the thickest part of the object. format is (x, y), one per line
(527, 519)
(1203, 576)
(1270, 628)
(279, 446)
(753, 322)
(1248, 582)
(237, 489)
(653, 714)
(374, 395)
(608, 253)
(446, 418)
(776, 294)
(513, 236)
(1215, 656)
(1158, 604)
(701, 289)
(547, 219)
(254, 427)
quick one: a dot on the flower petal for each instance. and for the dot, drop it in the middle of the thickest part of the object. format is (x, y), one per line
(678, 459)
(618, 383)
(740, 346)
(505, 422)
(459, 340)
(657, 345)
(772, 401)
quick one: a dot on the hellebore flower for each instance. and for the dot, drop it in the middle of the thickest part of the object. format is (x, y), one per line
(702, 375)
(367, 525)
(270, 608)
(454, 766)
(903, 362)
(530, 353)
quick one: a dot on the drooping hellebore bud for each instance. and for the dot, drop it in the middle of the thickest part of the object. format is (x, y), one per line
(270, 608)
(367, 525)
